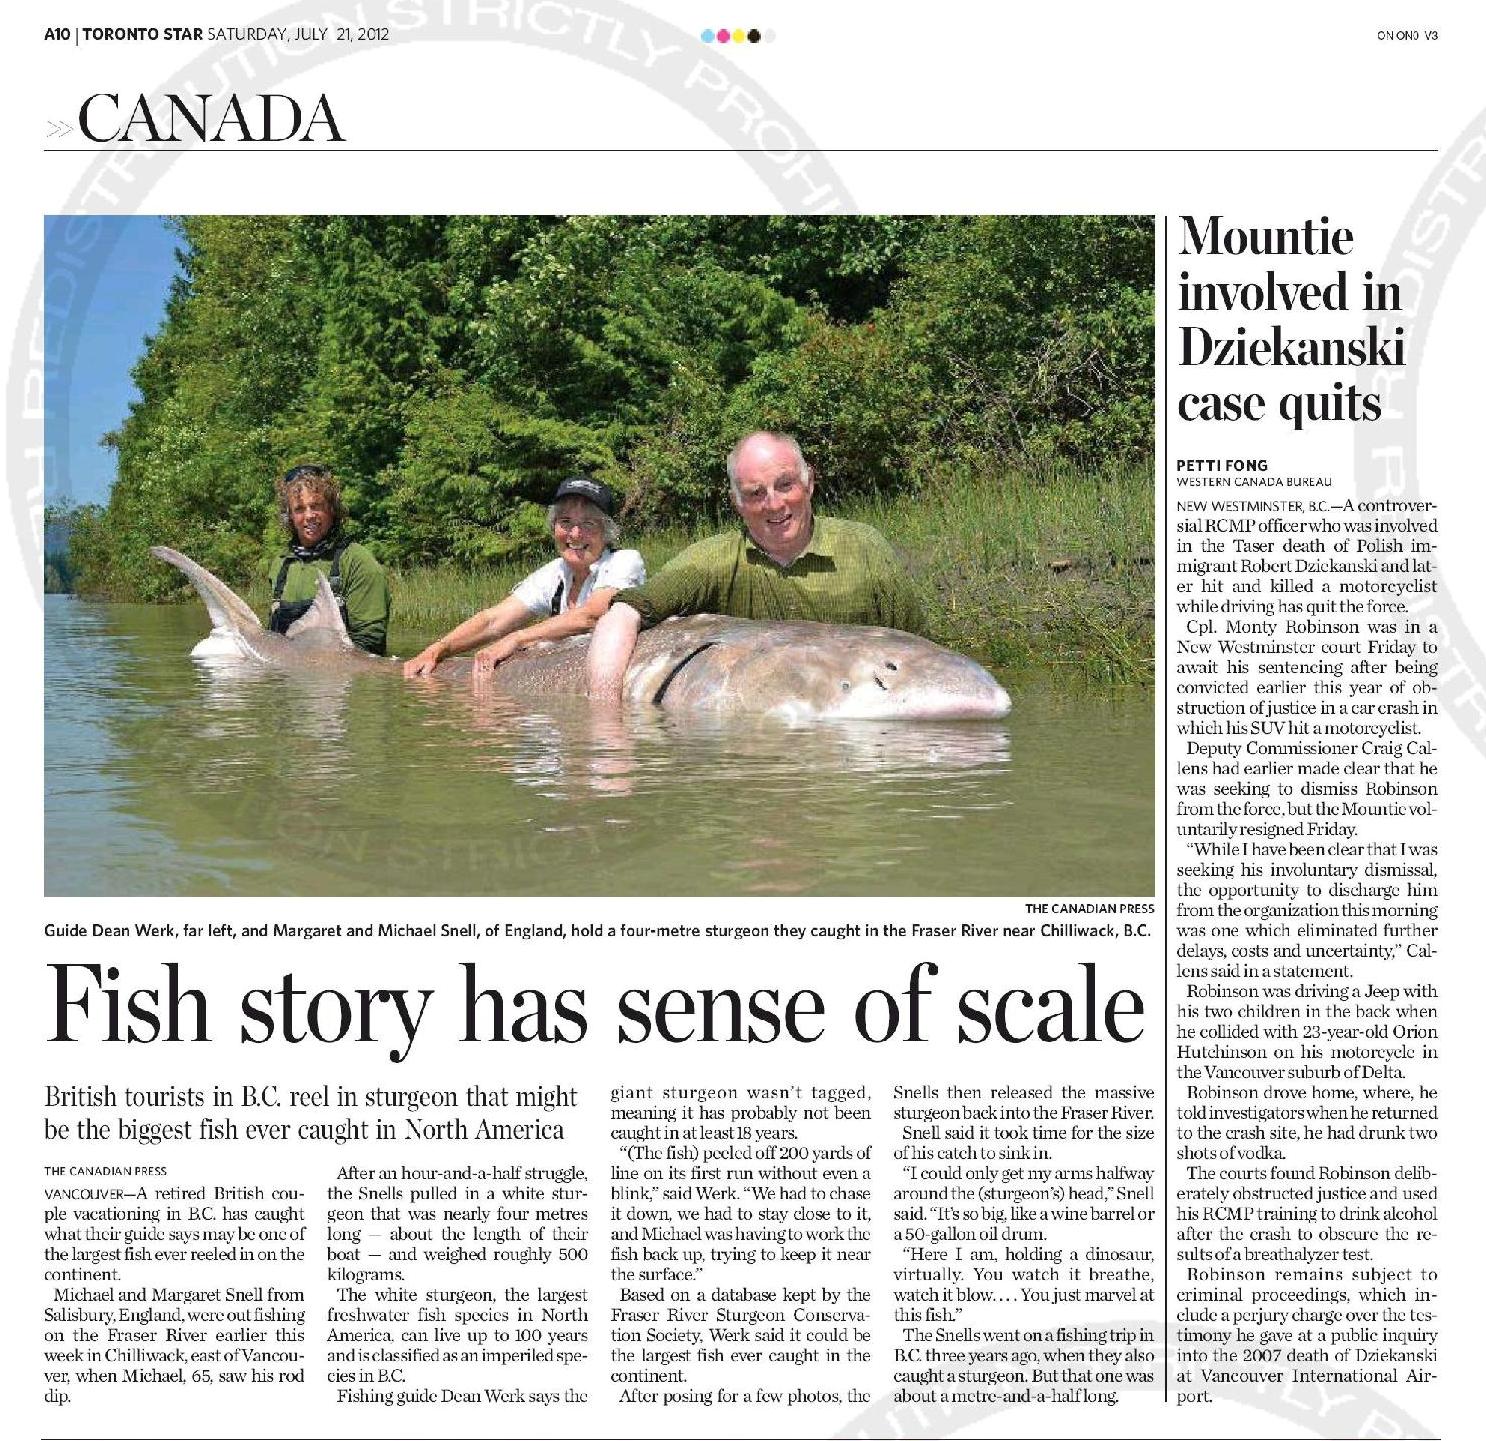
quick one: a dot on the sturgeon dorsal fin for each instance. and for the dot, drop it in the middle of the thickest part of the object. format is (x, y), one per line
(323, 615)
(228, 610)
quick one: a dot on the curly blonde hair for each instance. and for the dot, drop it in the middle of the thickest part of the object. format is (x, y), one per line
(315, 480)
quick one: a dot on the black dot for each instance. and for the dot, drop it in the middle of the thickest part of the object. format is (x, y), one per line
(754, 37)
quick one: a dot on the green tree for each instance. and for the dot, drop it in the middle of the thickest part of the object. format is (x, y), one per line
(452, 369)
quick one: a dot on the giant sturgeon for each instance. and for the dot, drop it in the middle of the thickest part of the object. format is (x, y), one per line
(796, 670)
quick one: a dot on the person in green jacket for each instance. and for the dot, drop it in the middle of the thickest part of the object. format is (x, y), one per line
(784, 562)
(310, 507)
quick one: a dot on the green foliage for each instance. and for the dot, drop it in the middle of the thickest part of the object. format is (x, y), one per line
(468, 458)
(452, 369)
(1020, 331)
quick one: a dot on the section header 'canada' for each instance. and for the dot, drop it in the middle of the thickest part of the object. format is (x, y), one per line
(215, 119)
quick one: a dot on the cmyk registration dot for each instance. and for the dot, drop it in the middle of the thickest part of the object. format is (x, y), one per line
(731, 36)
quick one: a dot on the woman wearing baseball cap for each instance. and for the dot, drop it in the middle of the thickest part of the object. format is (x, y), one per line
(564, 597)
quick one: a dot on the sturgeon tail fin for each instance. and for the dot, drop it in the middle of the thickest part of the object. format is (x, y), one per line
(324, 615)
(231, 614)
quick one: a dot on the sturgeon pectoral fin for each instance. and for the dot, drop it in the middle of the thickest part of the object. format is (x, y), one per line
(228, 610)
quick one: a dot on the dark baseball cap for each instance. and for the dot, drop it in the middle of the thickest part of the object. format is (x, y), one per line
(595, 492)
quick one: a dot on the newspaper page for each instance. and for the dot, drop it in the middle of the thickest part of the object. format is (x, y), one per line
(744, 729)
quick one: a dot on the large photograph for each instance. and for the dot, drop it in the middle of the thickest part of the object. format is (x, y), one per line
(604, 555)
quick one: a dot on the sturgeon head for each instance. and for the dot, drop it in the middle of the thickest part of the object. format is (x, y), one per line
(319, 634)
(806, 670)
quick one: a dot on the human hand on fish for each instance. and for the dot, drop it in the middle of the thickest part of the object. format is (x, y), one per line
(493, 655)
(424, 663)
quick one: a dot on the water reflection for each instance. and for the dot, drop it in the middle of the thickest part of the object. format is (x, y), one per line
(172, 775)
(565, 746)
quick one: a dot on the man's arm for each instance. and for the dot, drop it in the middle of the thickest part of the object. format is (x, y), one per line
(610, 650)
(364, 589)
(487, 625)
(686, 585)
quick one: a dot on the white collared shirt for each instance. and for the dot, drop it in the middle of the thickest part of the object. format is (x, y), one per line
(613, 570)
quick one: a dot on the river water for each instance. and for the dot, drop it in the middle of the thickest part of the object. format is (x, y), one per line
(169, 776)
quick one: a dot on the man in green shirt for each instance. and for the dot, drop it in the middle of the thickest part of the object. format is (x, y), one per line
(786, 564)
(310, 505)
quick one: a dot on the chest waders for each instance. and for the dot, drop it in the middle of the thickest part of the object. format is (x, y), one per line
(282, 614)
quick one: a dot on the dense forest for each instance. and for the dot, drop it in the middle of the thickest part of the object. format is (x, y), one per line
(453, 369)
